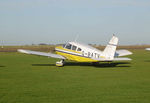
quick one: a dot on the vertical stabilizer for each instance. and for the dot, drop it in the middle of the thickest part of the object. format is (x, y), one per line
(110, 49)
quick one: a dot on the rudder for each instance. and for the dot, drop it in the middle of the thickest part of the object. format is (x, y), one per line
(110, 49)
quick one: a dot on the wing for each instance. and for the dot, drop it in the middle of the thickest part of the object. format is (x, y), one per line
(122, 53)
(41, 53)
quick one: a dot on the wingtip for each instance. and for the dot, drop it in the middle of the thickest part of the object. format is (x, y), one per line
(19, 50)
(130, 53)
(122, 59)
(22, 51)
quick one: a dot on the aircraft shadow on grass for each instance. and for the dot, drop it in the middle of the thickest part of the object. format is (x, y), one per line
(2, 66)
(100, 65)
(147, 60)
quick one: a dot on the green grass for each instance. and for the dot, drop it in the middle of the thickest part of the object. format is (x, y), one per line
(32, 79)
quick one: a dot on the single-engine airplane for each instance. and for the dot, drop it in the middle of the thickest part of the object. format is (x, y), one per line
(79, 52)
(147, 49)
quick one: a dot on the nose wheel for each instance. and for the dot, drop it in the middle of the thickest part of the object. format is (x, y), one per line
(60, 63)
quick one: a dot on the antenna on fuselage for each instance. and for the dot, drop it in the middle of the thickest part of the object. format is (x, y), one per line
(76, 37)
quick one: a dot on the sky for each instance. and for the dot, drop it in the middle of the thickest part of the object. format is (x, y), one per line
(25, 22)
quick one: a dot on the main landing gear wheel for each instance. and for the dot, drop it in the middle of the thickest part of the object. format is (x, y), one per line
(60, 63)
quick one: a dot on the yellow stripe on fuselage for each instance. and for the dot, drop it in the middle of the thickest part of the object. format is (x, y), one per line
(75, 57)
(102, 57)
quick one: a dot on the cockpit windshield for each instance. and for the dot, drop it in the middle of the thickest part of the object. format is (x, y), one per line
(68, 46)
(64, 45)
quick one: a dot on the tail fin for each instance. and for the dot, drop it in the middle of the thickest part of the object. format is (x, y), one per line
(110, 49)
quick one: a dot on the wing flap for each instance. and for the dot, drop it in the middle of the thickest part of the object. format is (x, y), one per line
(122, 52)
(41, 53)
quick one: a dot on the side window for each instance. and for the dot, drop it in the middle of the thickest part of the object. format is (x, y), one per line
(74, 47)
(79, 49)
(68, 46)
(89, 54)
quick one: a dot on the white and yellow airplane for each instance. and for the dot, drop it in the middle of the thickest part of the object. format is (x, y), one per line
(84, 53)
(147, 49)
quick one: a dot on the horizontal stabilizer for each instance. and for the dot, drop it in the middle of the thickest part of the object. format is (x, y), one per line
(41, 53)
(115, 59)
(122, 59)
(122, 53)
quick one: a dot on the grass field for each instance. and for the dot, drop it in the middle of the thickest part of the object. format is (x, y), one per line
(33, 79)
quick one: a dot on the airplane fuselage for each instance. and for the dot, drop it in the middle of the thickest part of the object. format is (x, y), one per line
(78, 52)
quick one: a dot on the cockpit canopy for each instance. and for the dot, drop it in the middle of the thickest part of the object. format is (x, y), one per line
(71, 47)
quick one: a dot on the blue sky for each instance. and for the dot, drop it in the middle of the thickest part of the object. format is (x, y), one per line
(59, 21)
